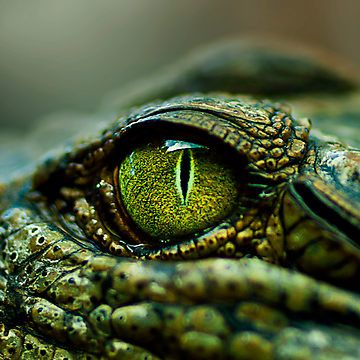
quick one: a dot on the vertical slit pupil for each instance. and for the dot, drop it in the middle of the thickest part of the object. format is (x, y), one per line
(185, 168)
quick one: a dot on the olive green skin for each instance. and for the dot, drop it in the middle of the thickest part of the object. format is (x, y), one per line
(275, 280)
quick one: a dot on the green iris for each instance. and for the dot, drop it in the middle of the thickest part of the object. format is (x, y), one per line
(176, 188)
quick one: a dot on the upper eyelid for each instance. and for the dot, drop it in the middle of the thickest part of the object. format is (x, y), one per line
(222, 119)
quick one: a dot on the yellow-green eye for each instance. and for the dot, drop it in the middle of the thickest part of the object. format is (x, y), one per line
(175, 188)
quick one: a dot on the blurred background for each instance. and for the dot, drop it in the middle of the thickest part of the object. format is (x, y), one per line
(67, 55)
(60, 59)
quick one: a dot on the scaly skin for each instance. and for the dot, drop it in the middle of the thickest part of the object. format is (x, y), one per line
(277, 279)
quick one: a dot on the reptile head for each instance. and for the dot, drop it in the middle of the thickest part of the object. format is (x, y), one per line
(198, 227)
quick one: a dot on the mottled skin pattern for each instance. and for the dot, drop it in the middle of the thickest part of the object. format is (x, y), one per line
(277, 279)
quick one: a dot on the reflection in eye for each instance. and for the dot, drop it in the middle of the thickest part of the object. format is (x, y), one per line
(175, 188)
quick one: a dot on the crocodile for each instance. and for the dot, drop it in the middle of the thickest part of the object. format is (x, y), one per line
(208, 221)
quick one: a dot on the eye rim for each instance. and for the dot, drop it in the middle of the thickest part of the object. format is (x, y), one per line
(184, 247)
(155, 241)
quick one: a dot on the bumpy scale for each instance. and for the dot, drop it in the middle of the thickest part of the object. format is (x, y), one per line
(273, 276)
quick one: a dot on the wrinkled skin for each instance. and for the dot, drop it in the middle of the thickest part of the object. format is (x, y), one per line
(276, 279)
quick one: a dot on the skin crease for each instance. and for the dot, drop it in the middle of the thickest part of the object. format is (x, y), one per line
(274, 278)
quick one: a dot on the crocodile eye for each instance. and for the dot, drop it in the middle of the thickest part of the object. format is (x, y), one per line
(175, 188)
(137, 191)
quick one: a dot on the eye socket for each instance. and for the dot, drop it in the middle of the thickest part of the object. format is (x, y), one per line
(198, 203)
(175, 188)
